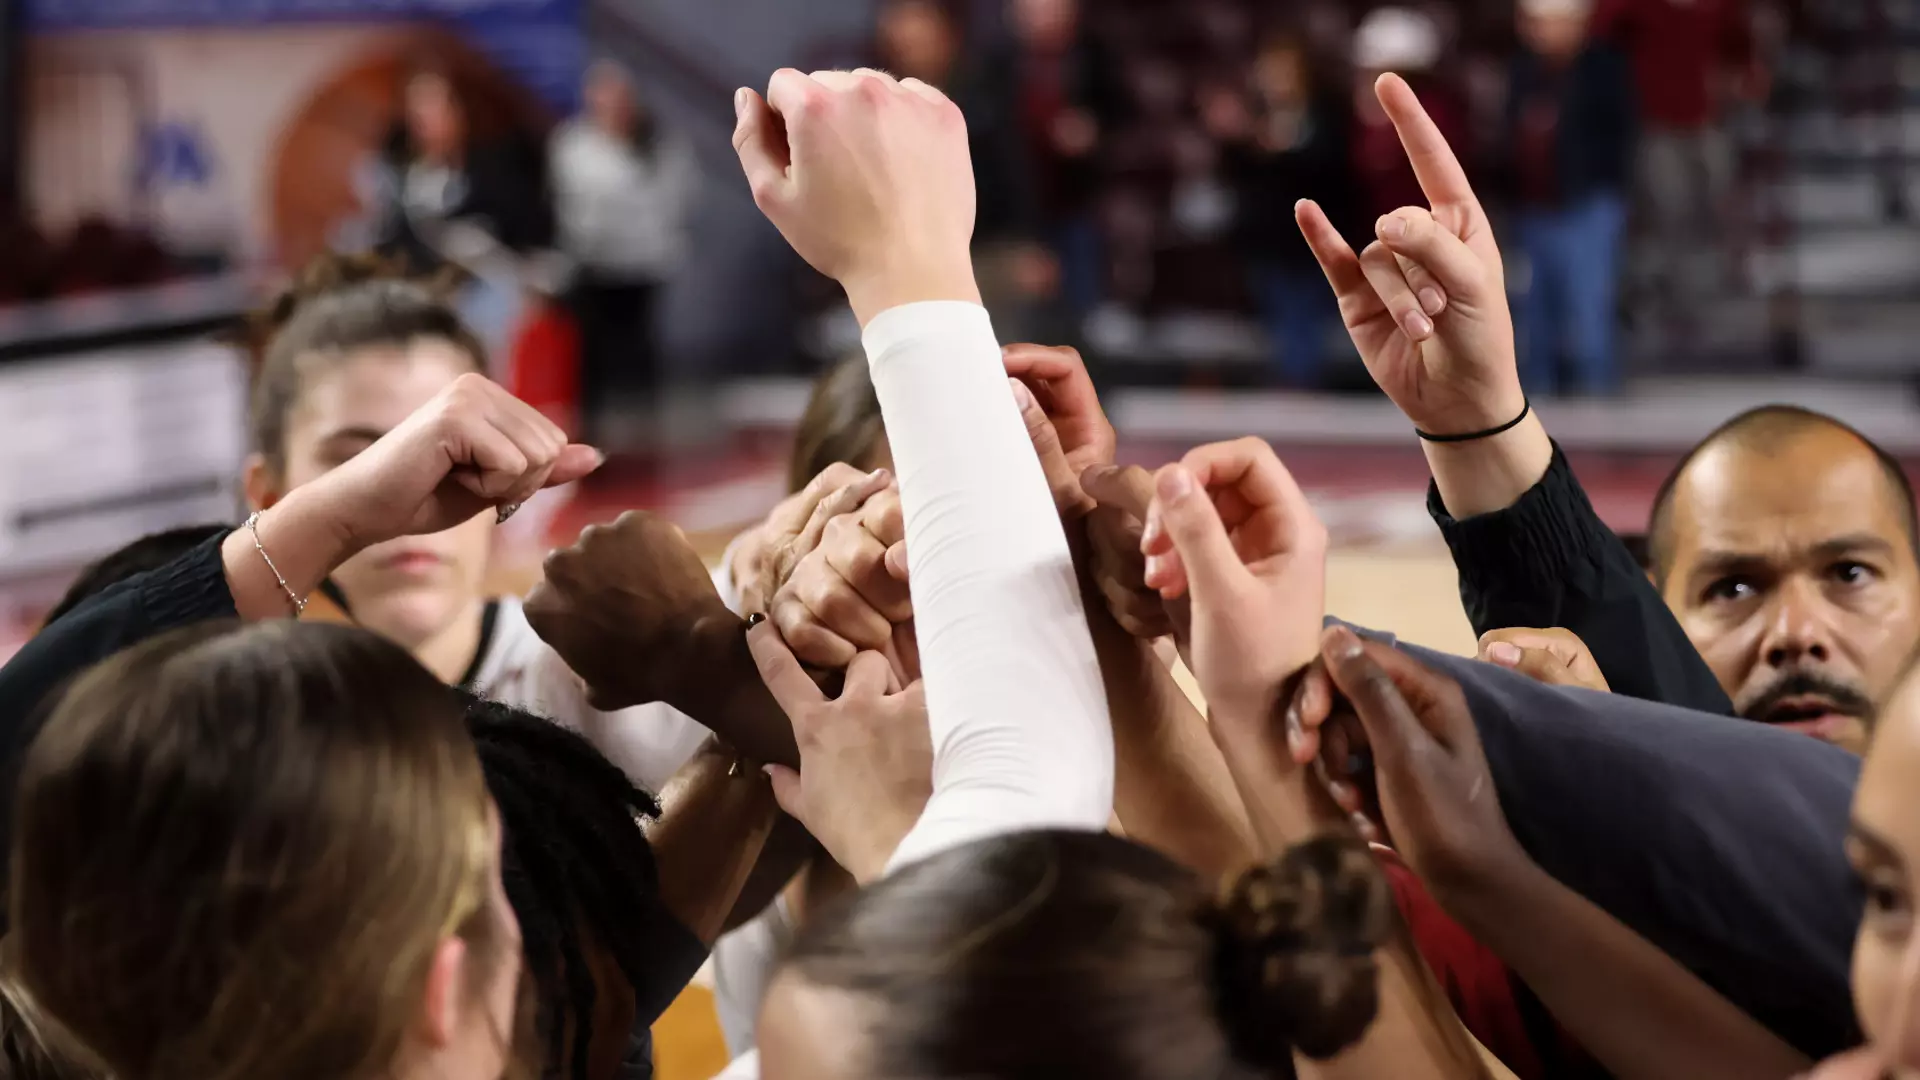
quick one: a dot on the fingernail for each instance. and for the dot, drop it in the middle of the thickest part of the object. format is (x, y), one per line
(1417, 325)
(1432, 301)
(599, 458)
(756, 619)
(1296, 738)
(1155, 564)
(767, 771)
(1341, 792)
(1150, 534)
(1504, 653)
(1022, 396)
(880, 477)
(1392, 228)
(1175, 483)
(1343, 643)
(740, 99)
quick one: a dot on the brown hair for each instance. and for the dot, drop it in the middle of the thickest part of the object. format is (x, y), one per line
(238, 849)
(339, 305)
(1082, 955)
(841, 424)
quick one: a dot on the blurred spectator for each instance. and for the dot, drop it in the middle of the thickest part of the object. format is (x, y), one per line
(1057, 99)
(1570, 131)
(1290, 141)
(1690, 57)
(623, 190)
(1405, 42)
(440, 196)
(432, 174)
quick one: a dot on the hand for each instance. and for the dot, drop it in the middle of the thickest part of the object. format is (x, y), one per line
(471, 449)
(1556, 656)
(1057, 379)
(795, 527)
(848, 592)
(1119, 570)
(870, 179)
(1427, 304)
(866, 757)
(1229, 525)
(1436, 793)
(628, 607)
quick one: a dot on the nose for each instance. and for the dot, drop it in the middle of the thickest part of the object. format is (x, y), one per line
(1797, 630)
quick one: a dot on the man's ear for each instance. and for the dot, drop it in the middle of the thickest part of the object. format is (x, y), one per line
(440, 1007)
(261, 483)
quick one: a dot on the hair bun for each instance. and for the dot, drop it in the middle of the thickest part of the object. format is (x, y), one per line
(321, 276)
(1294, 963)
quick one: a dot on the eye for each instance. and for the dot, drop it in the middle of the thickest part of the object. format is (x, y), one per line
(1848, 572)
(1888, 911)
(1730, 590)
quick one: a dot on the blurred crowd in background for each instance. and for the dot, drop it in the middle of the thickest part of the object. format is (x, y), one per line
(1658, 169)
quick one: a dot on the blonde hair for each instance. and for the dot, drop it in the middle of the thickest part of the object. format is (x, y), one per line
(233, 854)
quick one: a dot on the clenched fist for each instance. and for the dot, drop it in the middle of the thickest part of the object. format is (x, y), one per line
(869, 178)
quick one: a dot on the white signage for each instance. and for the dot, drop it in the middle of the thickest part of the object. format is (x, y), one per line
(100, 449)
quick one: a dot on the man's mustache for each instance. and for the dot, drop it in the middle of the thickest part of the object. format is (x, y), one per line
(1844, 698)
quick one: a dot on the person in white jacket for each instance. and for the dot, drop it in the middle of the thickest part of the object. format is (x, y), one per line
(623, 188)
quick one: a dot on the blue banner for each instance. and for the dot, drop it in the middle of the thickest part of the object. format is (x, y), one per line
(540, 42)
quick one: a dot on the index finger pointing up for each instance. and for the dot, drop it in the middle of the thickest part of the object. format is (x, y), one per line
(1441, 177)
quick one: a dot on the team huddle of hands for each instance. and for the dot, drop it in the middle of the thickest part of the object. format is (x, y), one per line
(869, 178)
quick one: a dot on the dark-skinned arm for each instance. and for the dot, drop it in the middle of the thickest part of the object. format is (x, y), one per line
(1632, 1006)
(716, 815)
(1642, 1014)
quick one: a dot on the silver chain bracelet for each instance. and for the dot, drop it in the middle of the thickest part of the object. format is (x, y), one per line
(253, 529)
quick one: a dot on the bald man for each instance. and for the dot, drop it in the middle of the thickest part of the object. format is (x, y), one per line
(1785, 545)
(1781, 550)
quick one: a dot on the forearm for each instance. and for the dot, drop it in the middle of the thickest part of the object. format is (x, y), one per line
(1172, 789)
(305, 545)
(1487, 475)
(725, 694)
(1016, 709)
(714, 822)
(787, 850)
(1415, 1034)
(1632, 1006)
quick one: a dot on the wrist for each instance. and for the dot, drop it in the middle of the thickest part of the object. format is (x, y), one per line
(1481, 892)
(881, 288)
(1491, 474)
(712, 639)
(304, 544)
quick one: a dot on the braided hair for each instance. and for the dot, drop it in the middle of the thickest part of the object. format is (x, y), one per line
(573, 856)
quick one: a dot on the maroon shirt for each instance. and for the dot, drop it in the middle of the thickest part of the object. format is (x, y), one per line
(1679, 47)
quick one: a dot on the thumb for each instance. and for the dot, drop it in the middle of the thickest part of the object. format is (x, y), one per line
(1191, 521)
(787, 792)
(761, 144)
(574, 463)
(785, 678)
(1393, 731)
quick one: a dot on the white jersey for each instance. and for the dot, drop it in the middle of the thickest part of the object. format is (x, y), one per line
(515, 667)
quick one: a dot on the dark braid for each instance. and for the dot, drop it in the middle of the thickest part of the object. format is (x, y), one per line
(574, 853)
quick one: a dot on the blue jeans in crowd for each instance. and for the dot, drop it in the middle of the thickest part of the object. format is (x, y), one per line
(1298, 310)
(1570, 309)
(1083, 273)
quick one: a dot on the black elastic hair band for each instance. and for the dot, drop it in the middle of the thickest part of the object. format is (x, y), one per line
(1526, 407)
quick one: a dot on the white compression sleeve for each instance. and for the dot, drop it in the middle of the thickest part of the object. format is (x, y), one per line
(1021, 735)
